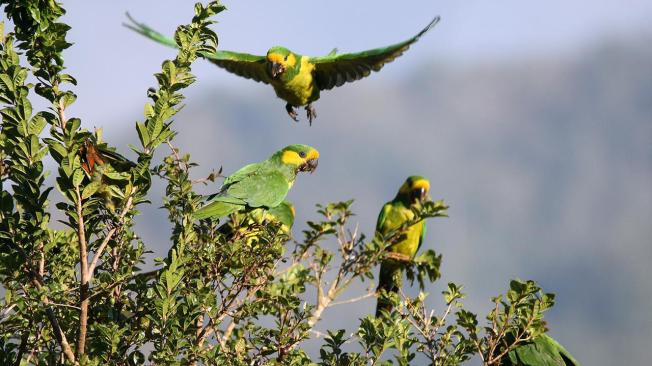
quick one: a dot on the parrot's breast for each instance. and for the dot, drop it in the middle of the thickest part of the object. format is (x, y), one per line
(410, 242)
(301, 89)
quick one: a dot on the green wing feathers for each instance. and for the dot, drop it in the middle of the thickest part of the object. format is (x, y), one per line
(149, 32)
(241, 64)
(265, 189)
(334, 70)
(219, 207)
(541, 351)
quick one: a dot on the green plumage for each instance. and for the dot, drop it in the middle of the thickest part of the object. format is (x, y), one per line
(541, 351)
(264, 184)
(298, 79)
(393, 215)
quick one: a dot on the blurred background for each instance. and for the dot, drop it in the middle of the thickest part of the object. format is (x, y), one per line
(533, 120)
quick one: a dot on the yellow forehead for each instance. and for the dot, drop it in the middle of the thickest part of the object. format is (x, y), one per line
(292, 157)
(280, 59)
(421, 183)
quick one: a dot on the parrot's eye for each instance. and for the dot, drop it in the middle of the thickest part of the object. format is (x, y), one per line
(302, 154)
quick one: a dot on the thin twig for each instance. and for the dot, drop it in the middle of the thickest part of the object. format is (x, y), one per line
(355, 299)
(108, 237)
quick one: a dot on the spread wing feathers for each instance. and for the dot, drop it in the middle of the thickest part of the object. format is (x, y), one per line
(241, 64)
(542, 351)
(334, 70)
(148, 32)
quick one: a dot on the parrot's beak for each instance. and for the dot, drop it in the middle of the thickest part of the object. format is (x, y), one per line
(276, 69)
(309, 165)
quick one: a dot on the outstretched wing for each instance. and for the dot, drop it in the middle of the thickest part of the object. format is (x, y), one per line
(241, 64)
(334, 70)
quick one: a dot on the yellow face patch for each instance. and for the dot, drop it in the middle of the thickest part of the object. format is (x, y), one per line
(292, 157)
(280, 59)
(412, 186)
(421, 183)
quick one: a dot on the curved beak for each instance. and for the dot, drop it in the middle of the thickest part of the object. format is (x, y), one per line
(276, 69)
(309, 166)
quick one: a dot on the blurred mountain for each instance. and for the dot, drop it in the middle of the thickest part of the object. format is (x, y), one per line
(546, 163)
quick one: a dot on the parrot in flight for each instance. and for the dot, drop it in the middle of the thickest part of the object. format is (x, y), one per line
(298, 79)
(543, 350)
(392, 216)
(261, 185)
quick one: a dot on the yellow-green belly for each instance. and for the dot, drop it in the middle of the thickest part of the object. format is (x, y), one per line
(409, 245)
(300, 90)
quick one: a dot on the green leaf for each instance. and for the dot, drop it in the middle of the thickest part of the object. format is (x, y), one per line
(90, 189)
(77, 177)
(143, 134)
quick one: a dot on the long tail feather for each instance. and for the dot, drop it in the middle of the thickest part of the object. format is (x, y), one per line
(389, 272)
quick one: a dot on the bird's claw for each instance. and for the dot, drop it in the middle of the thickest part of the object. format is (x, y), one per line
(311, 113)
(291, 112)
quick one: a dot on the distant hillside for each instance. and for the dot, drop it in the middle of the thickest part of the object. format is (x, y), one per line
(547, 165)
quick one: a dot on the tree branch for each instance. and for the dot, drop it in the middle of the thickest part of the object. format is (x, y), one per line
(84, 280)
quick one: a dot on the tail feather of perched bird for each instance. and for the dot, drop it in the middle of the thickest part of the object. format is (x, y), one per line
(393, 216)
(298, 79)
(260, 185)
(543, 350)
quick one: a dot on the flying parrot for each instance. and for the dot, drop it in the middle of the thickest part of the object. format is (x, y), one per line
(392, 216)
(298, 79)
(540, 351)
(261, 185)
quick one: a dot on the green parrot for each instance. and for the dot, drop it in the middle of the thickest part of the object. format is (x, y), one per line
(261, 185)
(392, 216)
(543, 350)
(298, 79)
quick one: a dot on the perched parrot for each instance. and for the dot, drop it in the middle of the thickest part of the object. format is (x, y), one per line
(264, 184)
(541, 351)
(298, 79)
(392, 216)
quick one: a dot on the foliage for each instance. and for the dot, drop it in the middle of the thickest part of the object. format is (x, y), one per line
(228, 292)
